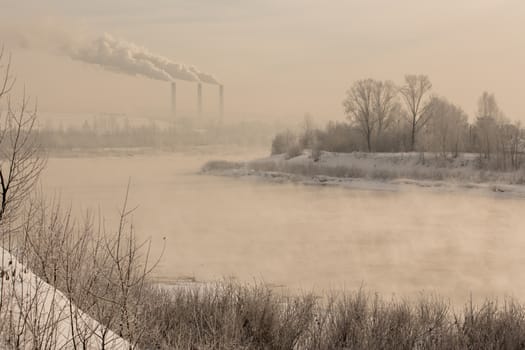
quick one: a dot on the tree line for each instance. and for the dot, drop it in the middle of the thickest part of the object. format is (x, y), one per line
(108, 132)
(384, 117)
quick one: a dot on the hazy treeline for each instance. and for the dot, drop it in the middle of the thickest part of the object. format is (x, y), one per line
(108, 132)
(384, 117)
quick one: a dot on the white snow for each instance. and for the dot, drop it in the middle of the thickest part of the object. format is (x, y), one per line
(42, 315)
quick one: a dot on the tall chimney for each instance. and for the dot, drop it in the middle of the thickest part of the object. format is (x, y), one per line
(221, 101)
(199, 99)
(173, 99)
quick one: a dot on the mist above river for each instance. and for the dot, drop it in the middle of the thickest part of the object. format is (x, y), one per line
(303, 237)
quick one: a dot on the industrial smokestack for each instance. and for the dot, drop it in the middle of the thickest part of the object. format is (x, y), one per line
(173, 99)
(221, 101)
(199, 99)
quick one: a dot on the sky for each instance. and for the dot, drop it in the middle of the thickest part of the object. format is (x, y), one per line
(277, 59)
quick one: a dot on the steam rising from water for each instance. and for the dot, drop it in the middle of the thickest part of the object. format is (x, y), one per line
(125, 57)
(457, 245)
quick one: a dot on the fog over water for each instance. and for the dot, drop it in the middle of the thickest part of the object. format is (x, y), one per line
(304, 237)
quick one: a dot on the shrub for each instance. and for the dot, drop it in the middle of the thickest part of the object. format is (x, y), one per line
(227, 316)
(220, 165)
(294, 150)
(104, 274)
(286, 142)
(233, 316)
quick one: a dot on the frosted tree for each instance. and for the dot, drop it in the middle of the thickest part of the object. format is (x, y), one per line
(447, 127)
(386, 107)
(369, 105)
(488, 116)
(416, 95)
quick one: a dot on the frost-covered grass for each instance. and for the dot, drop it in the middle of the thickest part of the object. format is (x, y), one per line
(233, 316)
(388, 166)
(465, 168)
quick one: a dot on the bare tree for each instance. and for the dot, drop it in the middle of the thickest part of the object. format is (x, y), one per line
(386, 105)
(447, 127)
(416, 94)
(371, 106)
(21, 161)
(488, 116)
(359, 108)
(103, 275)
(515, 137)
(488, 107)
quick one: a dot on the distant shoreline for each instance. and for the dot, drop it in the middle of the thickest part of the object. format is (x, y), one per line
(380, 172)
(100, 152)
(144, 151)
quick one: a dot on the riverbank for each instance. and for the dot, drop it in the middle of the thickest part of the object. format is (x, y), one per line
(377, 171)
(34, 314)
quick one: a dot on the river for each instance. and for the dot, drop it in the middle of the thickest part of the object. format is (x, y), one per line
(300, 237)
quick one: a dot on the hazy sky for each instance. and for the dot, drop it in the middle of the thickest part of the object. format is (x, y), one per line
(276, 58)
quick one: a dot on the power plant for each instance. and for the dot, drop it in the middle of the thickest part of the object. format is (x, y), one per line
(174, 99)
(221, 102)
(199, 100)
(118, 55)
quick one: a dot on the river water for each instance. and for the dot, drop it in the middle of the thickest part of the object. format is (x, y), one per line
(304, 238)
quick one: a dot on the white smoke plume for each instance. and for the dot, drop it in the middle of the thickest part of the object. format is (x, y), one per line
(125, 57)
(106, 51)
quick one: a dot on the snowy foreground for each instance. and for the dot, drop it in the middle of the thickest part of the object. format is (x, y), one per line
(378, 171)
(34, 315)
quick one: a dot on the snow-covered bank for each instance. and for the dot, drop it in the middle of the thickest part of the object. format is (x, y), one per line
(35, 315)
(377, 171)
